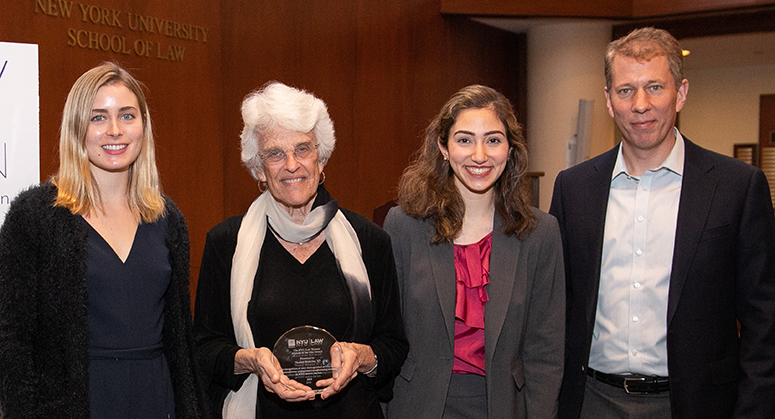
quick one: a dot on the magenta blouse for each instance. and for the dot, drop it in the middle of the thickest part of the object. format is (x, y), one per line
(472, 271)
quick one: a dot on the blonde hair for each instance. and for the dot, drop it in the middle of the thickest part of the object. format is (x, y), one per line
(643, 44)
(78, 191)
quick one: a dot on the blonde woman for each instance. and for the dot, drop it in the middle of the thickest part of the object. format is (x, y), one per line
(94, 273)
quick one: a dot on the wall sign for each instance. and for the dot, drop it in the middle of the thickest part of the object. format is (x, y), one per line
(101, 29)
(19, 121)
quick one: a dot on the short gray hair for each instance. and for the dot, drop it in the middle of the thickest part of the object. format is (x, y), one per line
(278, 105)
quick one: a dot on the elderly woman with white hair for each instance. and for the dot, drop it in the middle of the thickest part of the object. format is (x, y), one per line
(294, 259)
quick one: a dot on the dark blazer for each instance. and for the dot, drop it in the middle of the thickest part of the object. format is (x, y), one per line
(723, 270)
(44, 339)
(523, 320)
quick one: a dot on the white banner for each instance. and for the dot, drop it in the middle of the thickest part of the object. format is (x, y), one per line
(19, 121)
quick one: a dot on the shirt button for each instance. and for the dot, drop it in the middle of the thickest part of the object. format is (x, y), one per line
(643, 188)
(634, 353)
(635, 318)
(640, 218)
(636, 285)
(639, 252)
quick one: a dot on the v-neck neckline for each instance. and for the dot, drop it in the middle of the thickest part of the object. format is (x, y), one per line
(131, 248)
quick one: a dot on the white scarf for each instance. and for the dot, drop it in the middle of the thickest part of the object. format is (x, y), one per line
(340, 237)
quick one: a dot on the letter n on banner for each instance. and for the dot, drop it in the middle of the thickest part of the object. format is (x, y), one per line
(19, 121)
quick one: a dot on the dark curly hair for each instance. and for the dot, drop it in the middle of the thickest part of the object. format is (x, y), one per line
(427, 188)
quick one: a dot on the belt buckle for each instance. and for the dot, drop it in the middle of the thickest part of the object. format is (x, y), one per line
(627, 387)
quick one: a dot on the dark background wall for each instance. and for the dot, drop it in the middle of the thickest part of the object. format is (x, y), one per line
(383, 68)
(767, 121)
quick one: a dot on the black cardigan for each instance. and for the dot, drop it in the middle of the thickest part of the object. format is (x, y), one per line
(213, 324)
(44, 341)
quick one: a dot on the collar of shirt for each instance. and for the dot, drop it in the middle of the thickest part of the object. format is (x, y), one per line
(674, 161)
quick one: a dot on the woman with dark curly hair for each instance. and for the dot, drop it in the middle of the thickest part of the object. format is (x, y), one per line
(480, 272)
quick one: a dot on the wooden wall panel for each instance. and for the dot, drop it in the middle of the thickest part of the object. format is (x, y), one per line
(746, 20)
(646, 8)
(767, 122)
(533, 8)
(384, 69)
(592, 9)
(184, 96)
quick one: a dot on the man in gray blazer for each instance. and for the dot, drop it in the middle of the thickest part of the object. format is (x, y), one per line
(667, 245)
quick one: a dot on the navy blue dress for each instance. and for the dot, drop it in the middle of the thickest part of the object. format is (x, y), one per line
(128, 373)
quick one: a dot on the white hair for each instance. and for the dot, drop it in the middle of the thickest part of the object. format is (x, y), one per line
(277, 105)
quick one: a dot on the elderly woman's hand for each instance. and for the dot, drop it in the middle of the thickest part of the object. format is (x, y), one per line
(262, 362)
(354, 358)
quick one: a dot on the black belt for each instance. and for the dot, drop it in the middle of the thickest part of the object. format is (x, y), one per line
(633, 384)
(148, 352)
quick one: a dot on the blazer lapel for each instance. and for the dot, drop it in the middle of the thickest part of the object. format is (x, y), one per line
(442, 258)
(598, 187)
(500, 290)
(697, 189)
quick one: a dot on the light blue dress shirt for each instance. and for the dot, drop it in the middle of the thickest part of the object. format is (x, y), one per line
(630, 334)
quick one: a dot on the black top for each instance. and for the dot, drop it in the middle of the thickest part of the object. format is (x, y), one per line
(287, 294)
(128, 373)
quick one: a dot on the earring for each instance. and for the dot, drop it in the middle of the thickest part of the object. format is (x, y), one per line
(445, 157)
(262, 184)
(322, 179)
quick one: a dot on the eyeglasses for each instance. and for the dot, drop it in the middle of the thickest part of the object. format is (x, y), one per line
(300, 152)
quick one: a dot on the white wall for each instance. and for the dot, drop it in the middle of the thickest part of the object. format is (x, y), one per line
(722, 107)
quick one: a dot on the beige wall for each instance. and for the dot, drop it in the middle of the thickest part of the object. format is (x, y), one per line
(565, 64)
(722, 107)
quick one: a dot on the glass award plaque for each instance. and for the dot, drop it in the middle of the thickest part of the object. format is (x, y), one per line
(304, 353)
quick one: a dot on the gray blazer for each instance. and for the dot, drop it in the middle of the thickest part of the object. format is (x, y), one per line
(524, 320)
